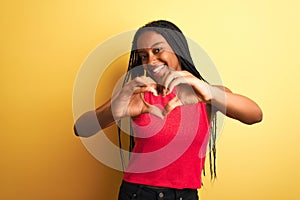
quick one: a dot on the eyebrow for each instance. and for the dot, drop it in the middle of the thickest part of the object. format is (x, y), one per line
(153, 45)
(157, 43)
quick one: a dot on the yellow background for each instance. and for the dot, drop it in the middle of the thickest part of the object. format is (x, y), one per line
(255, 45)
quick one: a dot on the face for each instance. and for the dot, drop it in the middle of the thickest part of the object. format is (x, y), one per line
(156, 54)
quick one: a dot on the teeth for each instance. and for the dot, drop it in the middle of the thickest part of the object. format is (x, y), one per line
(158, 68)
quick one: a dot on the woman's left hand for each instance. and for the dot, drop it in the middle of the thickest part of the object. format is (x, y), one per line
(188, 86)
(191, 90)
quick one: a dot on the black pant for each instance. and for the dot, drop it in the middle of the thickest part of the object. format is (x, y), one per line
(130, 191)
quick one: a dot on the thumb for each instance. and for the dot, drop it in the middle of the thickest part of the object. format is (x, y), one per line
(156, 111)
(173, 103)
(148, 108)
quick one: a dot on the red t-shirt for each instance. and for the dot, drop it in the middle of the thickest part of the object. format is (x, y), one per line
(169, 152)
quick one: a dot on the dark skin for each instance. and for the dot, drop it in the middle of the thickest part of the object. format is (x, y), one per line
(165, 73)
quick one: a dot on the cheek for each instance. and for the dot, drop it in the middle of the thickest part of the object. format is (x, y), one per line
(171, 60)
(167, 57)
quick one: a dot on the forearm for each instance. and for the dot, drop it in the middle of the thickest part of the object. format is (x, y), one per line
(105, 116)
(235, 106)
(93, 121)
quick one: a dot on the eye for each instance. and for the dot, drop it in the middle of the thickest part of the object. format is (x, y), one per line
(157, 50)
(143, 56)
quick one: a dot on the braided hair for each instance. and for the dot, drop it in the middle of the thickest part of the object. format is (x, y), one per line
(179, 45)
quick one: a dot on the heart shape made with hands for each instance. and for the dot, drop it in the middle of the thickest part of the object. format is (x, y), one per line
(184, 95)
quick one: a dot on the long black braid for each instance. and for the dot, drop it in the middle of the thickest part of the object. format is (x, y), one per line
(178, 43)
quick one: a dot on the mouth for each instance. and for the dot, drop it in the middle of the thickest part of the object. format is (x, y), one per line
(158, 69)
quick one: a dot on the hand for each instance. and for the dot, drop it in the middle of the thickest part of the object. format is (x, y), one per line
(189, 87)
(129, 101)
(221, 98)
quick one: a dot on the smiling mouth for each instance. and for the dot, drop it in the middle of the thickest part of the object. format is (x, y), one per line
(158, 69)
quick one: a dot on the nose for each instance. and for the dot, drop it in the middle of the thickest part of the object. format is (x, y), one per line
(152, 59)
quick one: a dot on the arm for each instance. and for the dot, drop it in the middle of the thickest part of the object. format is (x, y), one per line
(233, 105)
(93, 121)
(127, 102)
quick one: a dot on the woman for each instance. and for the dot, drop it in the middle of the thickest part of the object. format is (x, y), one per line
(172, 110)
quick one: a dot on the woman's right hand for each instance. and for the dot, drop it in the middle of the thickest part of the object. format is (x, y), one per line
(129, 101)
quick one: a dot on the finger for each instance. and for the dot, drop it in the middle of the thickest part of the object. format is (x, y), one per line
(169, 77)
(147, 85)
(143, 81)
(140, 84)
(177, 78)
(173, 103)
(191, 99)
(176, 81)
(155, 111)
(146, 89)
(187, 95)
(151, 108)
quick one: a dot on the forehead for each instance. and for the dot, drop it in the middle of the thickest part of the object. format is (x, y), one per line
(149, 39)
